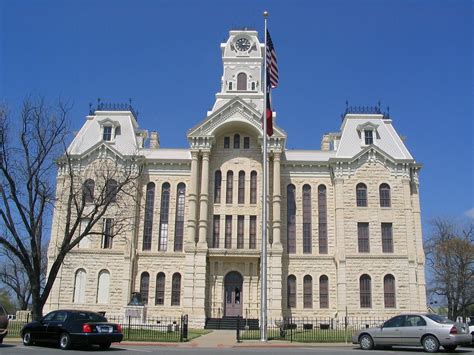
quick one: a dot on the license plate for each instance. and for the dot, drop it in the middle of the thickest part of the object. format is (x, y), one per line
(104, 329)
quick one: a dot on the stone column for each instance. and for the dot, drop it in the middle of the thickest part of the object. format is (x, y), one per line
(192, 199)
(276, 202)
(340, 245)
(204, 199)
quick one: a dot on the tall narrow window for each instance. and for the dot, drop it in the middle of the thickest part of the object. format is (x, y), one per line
(230, 85)
(85, 242)
(176, 289)
(308, 292)
(240, 232)
(241, 195)
(226, 142)
(322, 220)
(369, 137)
(229, 187)
(387, 238)
(107, 233)
(160, 289)
(103, 285)
(88, 191)
(217, 186)
(237, 141)
(291, 219)
(365, 289)
(241, 81)
(111, 188)
(80, 286)
(389, 291)
(107, 133)
(144, 286)
(246, 142)
(361, 195)
(363, 237)
(291, 291)
(307, 240)
(216, 231)
(164, 217)
(323, 292)
(253, 187)
(253, 232)
(148, 220)
(384, 192)
(228, 232)
(179, 223)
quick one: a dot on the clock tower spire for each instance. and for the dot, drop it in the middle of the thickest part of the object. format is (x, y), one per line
(242, 58)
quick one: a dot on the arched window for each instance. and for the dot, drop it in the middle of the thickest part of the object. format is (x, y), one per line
(80, 286)
(103, 287)
(308, 292)
(307, 219)
(179, 224)
(160, 289)
(291, 219)
(236, 141)
(148, 220)
(164, 217)
(176, 289)
(323, 292)
(144, 286)
(88, 191)
(389, 291)
(365, 289)
(384, 192)
(361, 195)
(241, 194)
(229, 187)
(291, 291)
(111, 188)
(241, 81)
(253, 187)
(217, 186)
(322, 220)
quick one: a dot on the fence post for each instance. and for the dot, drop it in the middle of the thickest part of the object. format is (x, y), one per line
(238, 329)
(291, 330)
(128, 330)
(181, 329)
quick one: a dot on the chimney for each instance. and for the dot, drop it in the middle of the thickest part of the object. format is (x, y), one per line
(154, 140)
(325, 142)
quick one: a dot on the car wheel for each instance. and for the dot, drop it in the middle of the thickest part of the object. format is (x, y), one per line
(65, 341)
(27, 339)
(430, 344)
(450, 348)
(105, 346)
(366, 342)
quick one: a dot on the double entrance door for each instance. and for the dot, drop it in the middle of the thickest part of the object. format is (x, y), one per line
(233, 294)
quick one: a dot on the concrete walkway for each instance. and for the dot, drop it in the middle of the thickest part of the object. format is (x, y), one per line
(215, 339)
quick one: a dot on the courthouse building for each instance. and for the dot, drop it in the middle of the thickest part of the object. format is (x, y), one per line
(344, 220)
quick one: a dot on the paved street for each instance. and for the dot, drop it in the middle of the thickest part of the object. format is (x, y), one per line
(18, 349)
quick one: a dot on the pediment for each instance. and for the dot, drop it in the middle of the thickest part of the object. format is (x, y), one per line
(102, 149)
(235, 111)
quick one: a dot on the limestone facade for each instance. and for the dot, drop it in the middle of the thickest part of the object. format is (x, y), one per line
(220, 228)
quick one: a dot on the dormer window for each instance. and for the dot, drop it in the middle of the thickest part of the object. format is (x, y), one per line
(226, 142)
(230, 85)
(368, 137)
(107, 133)
(253, 86)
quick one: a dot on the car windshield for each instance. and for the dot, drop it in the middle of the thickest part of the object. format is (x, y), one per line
(89, 317)
(440, 319)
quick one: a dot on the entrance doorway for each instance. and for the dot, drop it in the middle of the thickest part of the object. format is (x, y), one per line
(233, 294)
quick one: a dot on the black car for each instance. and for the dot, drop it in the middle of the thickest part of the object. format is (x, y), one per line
(69, 327)
(3, 323)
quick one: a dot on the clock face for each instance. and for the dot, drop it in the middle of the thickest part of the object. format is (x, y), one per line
(242, 44)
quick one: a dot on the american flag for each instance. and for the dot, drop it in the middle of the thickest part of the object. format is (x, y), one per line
(272, 65)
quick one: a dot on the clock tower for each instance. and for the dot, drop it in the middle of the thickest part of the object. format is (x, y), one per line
(242, 57)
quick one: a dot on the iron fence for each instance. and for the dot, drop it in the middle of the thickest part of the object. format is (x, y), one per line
(153, 330)
(325, 330)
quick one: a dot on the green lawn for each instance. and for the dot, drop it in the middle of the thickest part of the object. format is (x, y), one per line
(304, 336)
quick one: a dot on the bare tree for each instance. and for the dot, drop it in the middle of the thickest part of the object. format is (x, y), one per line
(31, 147)
(450, 257)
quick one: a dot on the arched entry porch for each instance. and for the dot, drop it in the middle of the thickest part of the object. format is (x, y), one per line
(233, 283)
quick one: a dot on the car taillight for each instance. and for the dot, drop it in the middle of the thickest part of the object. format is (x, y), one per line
(119, 328)
(453, 330)
(86, 328)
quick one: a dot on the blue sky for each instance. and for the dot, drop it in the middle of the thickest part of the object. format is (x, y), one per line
(414, 56)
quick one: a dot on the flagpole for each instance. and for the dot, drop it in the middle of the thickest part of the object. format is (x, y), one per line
(263, 262)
